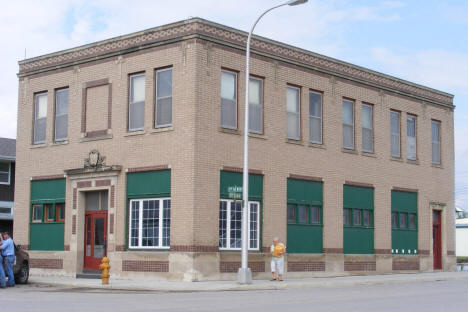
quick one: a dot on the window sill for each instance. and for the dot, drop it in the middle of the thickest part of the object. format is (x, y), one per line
(396, 159)
(412, 161)
(257, 136)
(133, 133)
(437, 166)
(230, 131)
(236, 250)
(40, 145)
(148, 249)
(97, 138)
(162, 129)
(359, 227)
(294, 141)
(317, 145)
(368, 154)
(58, 143)
(306, 224)
(349, 151)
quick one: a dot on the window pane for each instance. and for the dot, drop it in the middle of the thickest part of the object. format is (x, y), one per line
(367, 129)
(104, 200)
(137, 88)
(315, 104)
(255, 105)
(367, 217)
(293, 114)
(166, 226)
(61, 114)
(222, 224)
(435, 128)
(411, 126)
(228, 100)
(40, 130)
(253, 225)
(164, 112)
(291, 213)
(348, 112)
(367, 116)
(40, 118)
(395, 134)
(164, 97)
(292, 99)
(236, 220)
(411, 137)
(50, 213)
(346, 216)
(357, 218)
(348, 124)
(315, 215)
(315, 120)
(4, 167)
(92, 201)
(164, 83)
(136, 120)
(41, 105)
(150, 223)
(303, 214)
(134, 223)
(348, 137)
(4, 177)
(37, 213)
(60, 211)
(228, 85)
(394, 220)
(412, 221)
(403, 220)
(228, 113)
(61, 127)
(293, 126)
(315, 127)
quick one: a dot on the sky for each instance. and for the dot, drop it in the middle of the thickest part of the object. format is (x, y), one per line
(425, 42)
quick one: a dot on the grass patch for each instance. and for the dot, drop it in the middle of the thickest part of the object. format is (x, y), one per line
(462, 259)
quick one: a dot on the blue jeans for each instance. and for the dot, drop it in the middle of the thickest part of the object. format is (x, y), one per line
(2, 273)
(9, 261)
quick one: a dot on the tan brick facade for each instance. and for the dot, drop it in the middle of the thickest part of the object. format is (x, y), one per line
(196, 149)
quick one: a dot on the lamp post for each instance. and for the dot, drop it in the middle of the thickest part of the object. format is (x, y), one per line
(244, 275)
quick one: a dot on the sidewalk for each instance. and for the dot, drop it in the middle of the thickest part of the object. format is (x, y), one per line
(166, 286)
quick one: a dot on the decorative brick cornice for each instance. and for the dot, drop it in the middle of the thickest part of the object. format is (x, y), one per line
(404, 189)
(148, 168)
(194, 248)
(236, 39)
(103, 182)
(304, 177)
(47, 177)
(83, 184)
(359, 184)
(240, 170)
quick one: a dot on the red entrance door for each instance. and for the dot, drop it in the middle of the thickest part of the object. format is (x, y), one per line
(436, 240)
(95, 238)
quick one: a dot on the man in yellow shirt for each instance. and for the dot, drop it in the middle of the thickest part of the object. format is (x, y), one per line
(277, 251)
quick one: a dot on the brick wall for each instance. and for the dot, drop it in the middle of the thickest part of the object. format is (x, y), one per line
(233, 266)
(145, 266)
(46, 263)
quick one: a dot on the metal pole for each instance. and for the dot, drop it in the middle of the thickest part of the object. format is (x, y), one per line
(244, 275)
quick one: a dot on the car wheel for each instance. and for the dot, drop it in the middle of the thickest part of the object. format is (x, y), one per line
(23, 275)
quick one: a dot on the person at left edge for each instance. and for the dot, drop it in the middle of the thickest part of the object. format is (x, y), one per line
(2, 271)
(8, 251)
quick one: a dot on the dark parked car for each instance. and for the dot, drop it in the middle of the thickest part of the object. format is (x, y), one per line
(21, 266)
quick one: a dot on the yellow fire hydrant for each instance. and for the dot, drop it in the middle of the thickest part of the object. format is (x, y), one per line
(104, 267)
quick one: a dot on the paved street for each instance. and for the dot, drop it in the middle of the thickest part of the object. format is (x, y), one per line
(420, 296)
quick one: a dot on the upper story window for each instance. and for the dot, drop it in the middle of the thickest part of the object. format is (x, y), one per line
(348, 124)
(315, 117)
(228, 99)
(256, 105)
(293, 106)
(367, 128)
(395, 134)
(411, 137)
(163, 110)
(435, 127)
(40, 118)
(5, 169)
(61, 115)
(136, 103)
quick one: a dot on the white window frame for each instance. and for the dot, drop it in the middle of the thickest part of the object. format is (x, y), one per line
(140, 223)
(371, 129)
(9, 175)
(394, 134)
(34, 206)
(36, 96)
(260, 105)
(130, 103)
(436, 142)
(228, 225)
(166, 97)
(296, 113)
(56, 115)
(236, 100)
(316, 118)
(408, 117)
(353, 147)
(7, 205)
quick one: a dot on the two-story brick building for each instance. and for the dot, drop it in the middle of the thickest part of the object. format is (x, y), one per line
(7, 183)
(132, 148)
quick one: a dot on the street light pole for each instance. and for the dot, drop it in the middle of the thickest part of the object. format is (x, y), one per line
(244, 275)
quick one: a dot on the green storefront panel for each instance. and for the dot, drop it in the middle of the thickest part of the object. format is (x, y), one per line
(149, 184)
(405, 239)
(46, 236)
(48, 190)
(358, 197)
(358, 240)
(307, 192)
(234, 179)
(305, 238)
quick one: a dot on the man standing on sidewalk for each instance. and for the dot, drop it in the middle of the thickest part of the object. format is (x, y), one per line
(277, 251)
(2, 272)
(8, 251)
